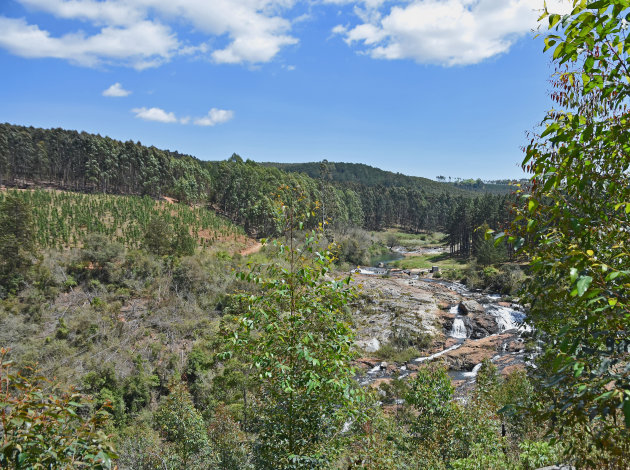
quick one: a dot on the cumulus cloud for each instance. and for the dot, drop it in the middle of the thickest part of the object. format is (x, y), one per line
(215, 116)
(154, 114)
(116, 91)
(141, 33)
(141, 45)
(445, 32)
(148, 33)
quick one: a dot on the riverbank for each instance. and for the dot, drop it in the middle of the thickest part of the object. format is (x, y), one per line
(418, 320)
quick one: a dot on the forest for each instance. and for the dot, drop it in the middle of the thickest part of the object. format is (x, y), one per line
(243, 191)
(161, 312)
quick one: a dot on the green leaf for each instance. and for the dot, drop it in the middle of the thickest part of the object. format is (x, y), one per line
(583, 284)
(588, 63)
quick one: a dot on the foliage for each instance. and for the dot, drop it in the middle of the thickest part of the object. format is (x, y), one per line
(64, 219)
(354, 196)
(486, 251)
(39, 429)
(299, 344)
(87, 162)
(229, 441)
(380, 443)
(16, 243)
(537, 454)
(163, 239)
(182, 426)
(430, 393)
(573, 226)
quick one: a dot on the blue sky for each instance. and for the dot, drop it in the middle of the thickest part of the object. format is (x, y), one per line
(423, 87)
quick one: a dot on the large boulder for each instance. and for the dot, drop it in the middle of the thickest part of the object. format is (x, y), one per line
(466, 307)
(481, 325)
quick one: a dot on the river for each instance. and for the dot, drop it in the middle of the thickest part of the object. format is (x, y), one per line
(492, 329)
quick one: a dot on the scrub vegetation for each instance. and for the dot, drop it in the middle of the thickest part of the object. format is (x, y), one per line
(136, 335)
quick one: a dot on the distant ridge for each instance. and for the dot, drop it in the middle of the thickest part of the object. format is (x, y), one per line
(361, 173)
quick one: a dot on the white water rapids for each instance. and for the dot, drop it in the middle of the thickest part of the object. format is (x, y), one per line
(458, 330)
(463, 327)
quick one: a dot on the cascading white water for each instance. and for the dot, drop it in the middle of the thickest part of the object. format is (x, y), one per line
(438, 354)
(505, 317)
(459, 329)
(473, 373)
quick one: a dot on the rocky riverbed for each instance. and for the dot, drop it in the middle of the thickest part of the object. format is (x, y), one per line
(443, 320)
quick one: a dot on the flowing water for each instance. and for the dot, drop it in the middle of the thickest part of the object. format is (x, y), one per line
(458, 330)
(507, 319)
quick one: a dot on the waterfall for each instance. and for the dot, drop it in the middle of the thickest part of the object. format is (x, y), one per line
(473, 373)
(505, 317)
(459, 329)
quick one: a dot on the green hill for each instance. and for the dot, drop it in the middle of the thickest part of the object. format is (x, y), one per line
(371, 176)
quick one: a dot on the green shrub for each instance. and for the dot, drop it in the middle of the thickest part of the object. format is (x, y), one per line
(537, 454)
(44, 429)
(182, 426)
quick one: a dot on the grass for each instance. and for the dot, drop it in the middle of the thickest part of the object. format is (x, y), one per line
(421, 239)
(390, 353)
(443, 260)
(412, 241)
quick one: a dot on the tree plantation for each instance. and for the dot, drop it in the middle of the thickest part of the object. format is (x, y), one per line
(243, 191)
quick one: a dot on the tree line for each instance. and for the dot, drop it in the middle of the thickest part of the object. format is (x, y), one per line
(243, 190)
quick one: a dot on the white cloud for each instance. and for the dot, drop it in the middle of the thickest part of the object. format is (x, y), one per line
(142, 45)
(116, 91)
(147, 33)
(255, 31)
(154, 114)
(215, 116)
(446, 32)
(109, 12)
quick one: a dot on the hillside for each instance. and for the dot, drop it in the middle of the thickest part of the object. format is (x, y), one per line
(63, 220)
(244, 191)
(361, 173)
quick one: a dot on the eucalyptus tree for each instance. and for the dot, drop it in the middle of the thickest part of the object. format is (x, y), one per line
(298, 339)
(573, 225)
(17, 242)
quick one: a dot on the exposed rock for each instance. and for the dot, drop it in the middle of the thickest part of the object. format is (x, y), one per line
(508, 370)
(481, 325)
(473, 352)
(378, 382)
(399, 311)
(443, 306)
(450, 342)
(469, 306)
(372, 345)
(447, 320)
(365, 363)
(515, 346)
